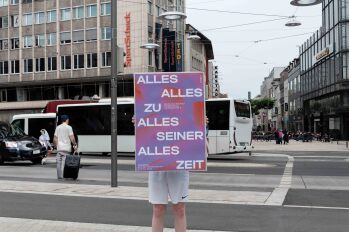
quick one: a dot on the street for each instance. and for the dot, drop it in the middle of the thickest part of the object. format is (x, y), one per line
(279, 191)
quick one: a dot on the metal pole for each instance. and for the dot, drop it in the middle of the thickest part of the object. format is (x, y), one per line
(113, 92)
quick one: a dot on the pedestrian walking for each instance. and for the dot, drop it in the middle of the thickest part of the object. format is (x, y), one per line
(44, 139)
(63, 138)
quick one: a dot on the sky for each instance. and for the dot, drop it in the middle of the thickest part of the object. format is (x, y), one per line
(243, 56)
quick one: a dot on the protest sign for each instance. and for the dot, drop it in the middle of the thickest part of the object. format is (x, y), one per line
(170, 121)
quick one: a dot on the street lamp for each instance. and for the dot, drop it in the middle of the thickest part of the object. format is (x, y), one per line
(173, 14)
(150, 45)
(293, 22)
(305, 2)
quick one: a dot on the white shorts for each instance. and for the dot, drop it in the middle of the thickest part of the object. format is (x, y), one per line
(168, 184)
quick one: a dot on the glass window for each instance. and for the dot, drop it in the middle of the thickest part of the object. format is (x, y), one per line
(4, 67)
(79, 61)
(106, 8)
(106, 33)
(3, 44)
(27, 19)
(14, 2)
(218, 113)
(14, 66)
(51, 63)
(150, 8)
(92, 60)
(51, 16)
(40, 40)
(40, 64)
(78, 36)
(3, 3)
(65, 62)
(28, 41)
(65, 37)
(28, 65)
(78, 12)
(91, 34)
(39, 17)
(15, 20)
(106, 59)
(51, 39)
(91, 11)
(65, 14)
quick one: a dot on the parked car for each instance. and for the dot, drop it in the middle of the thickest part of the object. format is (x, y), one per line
(16, 145)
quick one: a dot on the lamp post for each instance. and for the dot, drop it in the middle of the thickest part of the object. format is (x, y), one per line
(113, 91)
(305, 2)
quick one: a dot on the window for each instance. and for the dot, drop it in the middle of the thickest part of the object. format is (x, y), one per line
(27, 19)
(78, 36)
(65, 37)
(51, 16)
(40, 64)
(106, 33)
(91, 34)
(28, 65)
(4, 22)
(28, 41)
(79, 61)
(39, 18)
(51, 63)
(27, 1)
(65, 62)
(14, 66)
(150, 58)
(14, 2)
(3, 67)
(40, 40)
(150, 8)
(78, 12)
(106, 8)
(218, 113)
(3, 3)
(14, 43)
(15, 20)
(3, 44)
(106, 59)
(91, 11)
(51, 39)
(65, 14)
(91, 60)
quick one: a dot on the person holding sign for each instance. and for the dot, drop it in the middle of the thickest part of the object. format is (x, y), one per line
(170, 139)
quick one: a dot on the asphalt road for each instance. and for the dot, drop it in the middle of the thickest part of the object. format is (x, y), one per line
(317, 201)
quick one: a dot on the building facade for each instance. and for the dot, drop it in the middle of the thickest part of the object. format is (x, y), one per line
(62, 49)
(324, 73)
(295, 104)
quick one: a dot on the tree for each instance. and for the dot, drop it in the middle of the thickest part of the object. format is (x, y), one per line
(264, 103)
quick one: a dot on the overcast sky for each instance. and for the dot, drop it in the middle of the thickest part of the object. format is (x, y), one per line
(243, 63)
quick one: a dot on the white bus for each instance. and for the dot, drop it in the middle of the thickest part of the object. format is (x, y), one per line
(31, 124)
(230, 125)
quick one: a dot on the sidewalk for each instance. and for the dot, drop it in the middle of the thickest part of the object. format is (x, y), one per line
(300, 146)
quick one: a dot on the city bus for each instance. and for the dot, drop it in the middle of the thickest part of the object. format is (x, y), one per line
(230, 125)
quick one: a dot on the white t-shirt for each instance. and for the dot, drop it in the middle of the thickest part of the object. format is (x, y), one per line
(63, 132)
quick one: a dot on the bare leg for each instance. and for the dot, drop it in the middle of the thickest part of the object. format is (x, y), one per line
(158, 217)
(180, 217)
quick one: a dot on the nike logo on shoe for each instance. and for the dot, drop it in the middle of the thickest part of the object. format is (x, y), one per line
(184, 197)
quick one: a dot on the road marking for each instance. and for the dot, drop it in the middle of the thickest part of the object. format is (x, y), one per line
(277, 197)
(88, 161)
(315, 207)
(12, 225)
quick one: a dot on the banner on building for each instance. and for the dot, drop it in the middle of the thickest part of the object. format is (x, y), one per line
(165, 50)
(179, 58)
(170, 121)
(172, 55)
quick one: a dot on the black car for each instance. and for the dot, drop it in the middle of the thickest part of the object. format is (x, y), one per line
(16, 145)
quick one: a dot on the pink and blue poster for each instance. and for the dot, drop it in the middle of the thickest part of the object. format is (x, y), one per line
(170, 121)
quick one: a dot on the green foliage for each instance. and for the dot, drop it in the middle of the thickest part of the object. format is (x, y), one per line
(264, 103)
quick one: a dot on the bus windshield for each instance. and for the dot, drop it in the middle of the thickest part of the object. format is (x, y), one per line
(242, 109)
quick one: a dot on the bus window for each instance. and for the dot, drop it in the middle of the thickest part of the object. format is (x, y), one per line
(125, 125)
(19, 123)
(88, 120)
(218, 115)
(242, 109)
(36, 124)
